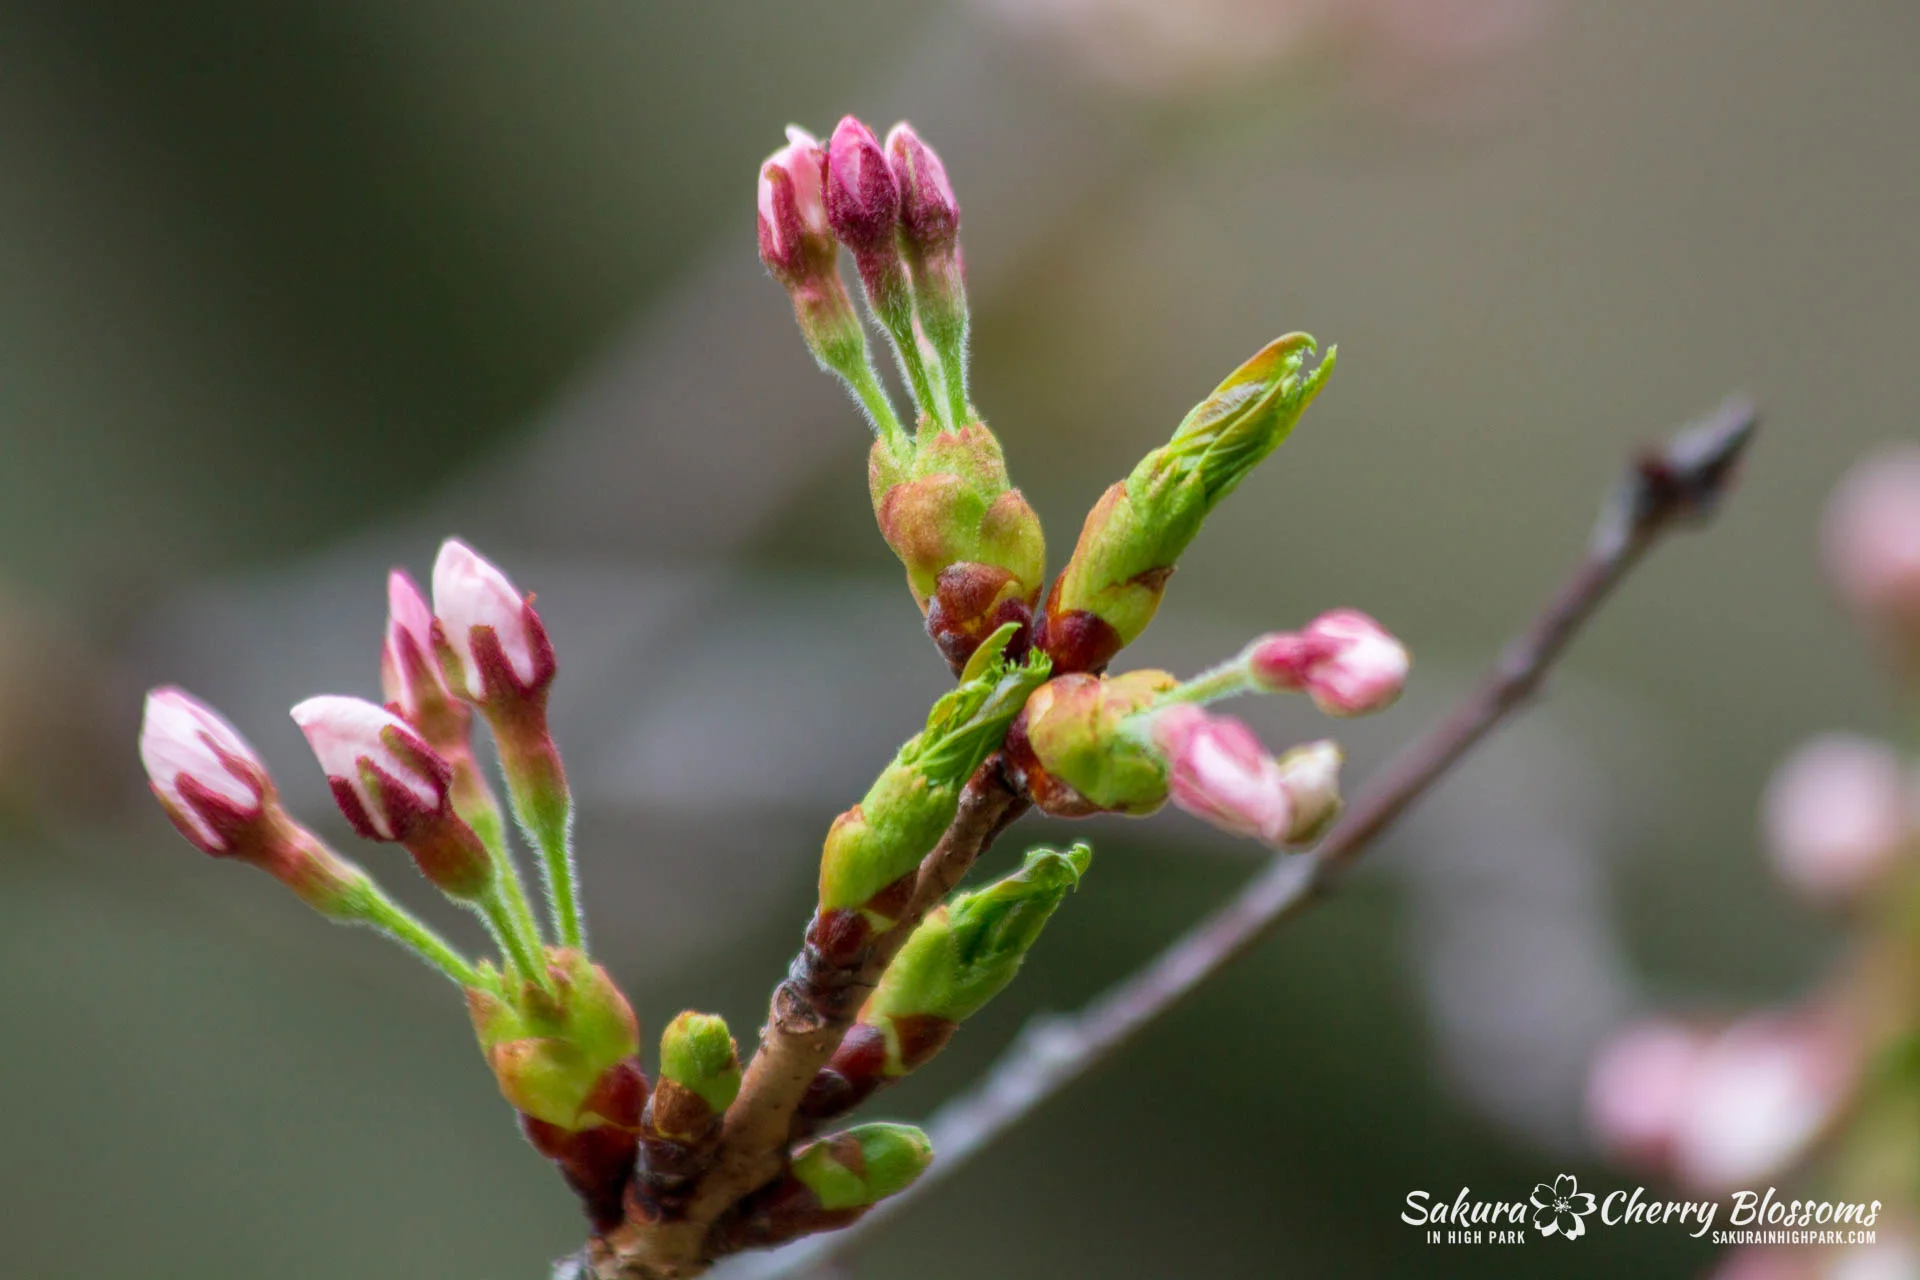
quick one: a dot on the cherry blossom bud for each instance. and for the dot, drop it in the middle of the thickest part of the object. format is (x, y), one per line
(392, 786)
(1838, 816)
(385, 777)
(929, 211)
(1872, 538)
(494, 648)
(1219, 772)
(795, 241)
(410, 674)
(862, 195)
(216, 791)
(1640, 1087)
(208, 779)
(1761, 1092)
(1349, 663)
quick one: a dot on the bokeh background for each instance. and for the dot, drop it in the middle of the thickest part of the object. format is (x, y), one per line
(292, 290)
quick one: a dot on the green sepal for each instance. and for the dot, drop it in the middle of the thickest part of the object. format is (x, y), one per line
(697, 1052)
(1135, 534)
(1083, 730)
(550, 1049)
(952, 503)
(914, 799)
(863, 1165)
(966, 952)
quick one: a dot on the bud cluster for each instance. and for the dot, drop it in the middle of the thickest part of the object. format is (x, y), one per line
(557, 1033)
(714, 1155)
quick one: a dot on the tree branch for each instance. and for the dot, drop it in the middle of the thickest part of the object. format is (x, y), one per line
(1663, 490)
(810, 1014)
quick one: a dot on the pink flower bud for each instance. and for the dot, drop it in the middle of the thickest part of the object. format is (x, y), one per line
(795, 240)
(1218, 771)
(385, 777)
(209, 781)
(928, 208)
(1762, 1091)
(1872, 538)
(1641, 1086)
(494, 644)
(863, 199)
(1838, 816)
(409, 673)
(1349, 663)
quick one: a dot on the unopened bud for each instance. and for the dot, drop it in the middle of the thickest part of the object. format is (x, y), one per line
(206, 776)
(862, 196)
(213, 786)
(386, 779)
(493, 648)
(392, 786)
(410, 674)
(959, 957)
(864, 1165)
(929, 211)
(1076, 752)
(1134, 535)
(795, 241)
(830, 1183)
(1839, 816)
(1349, 663)
(698, 1054)
(1219, 772)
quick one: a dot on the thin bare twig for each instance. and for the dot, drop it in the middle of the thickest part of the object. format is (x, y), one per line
(1663, 490)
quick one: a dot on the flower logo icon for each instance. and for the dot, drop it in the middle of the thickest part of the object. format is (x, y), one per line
(1558, 1209)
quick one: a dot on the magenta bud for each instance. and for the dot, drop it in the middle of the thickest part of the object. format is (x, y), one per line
(928, 209)
(795, 240)
(387, 780)
(863, 199)
(1219, 772)
(491, 644)
(1349, 663)
(208, 779)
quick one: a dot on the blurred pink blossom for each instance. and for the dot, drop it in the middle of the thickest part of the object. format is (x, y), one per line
(1838, 815)
(1393, 50)
(1720, 1110)
(1872, 542)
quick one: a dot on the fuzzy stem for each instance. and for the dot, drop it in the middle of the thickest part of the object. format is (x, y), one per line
(885, 277)
(537, 789)
(371, 907)
(872, 397)
(1228, 680)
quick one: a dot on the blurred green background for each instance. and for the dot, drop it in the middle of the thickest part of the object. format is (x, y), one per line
(292, 290)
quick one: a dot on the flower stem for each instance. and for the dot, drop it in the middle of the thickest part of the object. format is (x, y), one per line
(371, 907)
